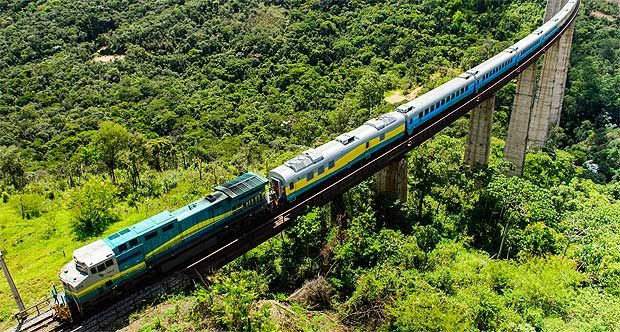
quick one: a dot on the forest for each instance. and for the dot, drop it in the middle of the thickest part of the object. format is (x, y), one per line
(112, 111)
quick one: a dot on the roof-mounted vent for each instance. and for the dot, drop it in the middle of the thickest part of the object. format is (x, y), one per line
(345, 138)
(383, 121)
(298, 163)
(314, 155)
(511, 49)
(468, 74)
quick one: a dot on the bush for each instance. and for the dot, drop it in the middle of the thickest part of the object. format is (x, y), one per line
(538, 239)
(230, 301)
(5, 197)
(92, 204)
(29, 205)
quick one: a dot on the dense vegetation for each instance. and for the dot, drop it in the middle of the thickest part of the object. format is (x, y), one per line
(114, 110)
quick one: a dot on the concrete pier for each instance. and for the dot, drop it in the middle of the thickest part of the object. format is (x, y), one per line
(537, 108)
(392, 181)
(516, 139)
(565, 44)
(478, 145)
(548, 89)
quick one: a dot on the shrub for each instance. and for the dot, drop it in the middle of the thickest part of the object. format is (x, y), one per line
(29, 205)
(92, 204)
(230, 301)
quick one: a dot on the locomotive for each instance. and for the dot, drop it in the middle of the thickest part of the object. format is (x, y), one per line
(117, 261)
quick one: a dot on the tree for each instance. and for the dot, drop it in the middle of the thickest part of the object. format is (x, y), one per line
(111, 140)
(159, 150)
(92, 205)
(370, 90)
(134, 158)
(12, 166)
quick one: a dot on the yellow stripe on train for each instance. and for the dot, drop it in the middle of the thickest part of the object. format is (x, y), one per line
(345, 160)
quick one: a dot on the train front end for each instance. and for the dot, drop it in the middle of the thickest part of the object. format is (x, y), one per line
(87, 276)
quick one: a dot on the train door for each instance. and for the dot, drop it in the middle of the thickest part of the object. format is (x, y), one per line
(276, 190)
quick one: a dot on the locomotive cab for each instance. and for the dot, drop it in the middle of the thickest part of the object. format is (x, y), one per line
(91, 264)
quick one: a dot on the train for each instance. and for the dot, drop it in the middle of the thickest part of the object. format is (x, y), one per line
(108, 266)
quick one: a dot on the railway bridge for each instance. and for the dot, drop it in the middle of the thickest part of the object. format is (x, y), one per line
(536, 110)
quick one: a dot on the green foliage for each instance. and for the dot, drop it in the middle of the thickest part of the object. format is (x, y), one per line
(200, 91)
(110, 140)
(230, 300)
(12, 166)
(29, 205)
(547, 170)
(539, 239)
(92, 205)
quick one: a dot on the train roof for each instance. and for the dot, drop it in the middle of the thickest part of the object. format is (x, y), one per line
(242, 184)
(138, 229)
(310, 159)
(238, 186)
(93, 253)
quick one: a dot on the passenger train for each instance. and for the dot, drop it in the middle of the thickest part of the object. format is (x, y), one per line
(118, 261)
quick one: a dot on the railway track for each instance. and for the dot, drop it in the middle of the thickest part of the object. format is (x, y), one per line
(117, 313)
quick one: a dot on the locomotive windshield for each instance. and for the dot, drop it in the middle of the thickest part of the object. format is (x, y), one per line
(81, 267)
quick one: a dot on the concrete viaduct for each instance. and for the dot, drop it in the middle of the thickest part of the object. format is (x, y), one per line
(536, 110)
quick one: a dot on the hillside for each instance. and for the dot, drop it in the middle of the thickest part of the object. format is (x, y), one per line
(130, 108)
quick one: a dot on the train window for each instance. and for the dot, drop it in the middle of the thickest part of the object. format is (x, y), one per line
(133, 243)
(331, 164)
(292, 185)
(109, 263)
(367, 145)
(167, 227)
(150, 235)
(310, 176)
(420, 115)
(101, 268)
(382, 136)
(122, 247)
(436, 106)
(321, 170)
(93, 270)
